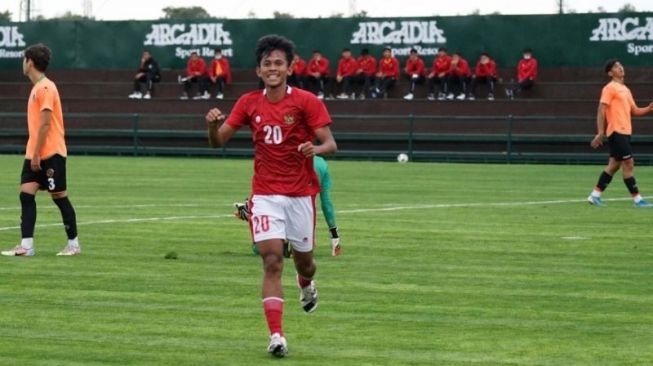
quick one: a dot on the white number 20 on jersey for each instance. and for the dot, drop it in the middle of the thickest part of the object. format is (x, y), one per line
(273, 135)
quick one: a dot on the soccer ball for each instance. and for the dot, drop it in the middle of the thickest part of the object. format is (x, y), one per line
(402, 158)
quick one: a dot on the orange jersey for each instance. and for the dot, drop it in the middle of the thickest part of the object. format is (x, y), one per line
(619, 102)
(45, 96)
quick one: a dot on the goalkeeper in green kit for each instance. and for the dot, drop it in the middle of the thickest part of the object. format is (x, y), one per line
(322, 169)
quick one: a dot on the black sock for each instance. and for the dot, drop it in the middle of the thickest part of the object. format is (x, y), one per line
(68, 216)
(28, 214)
(334, 232)
(604, 180)
(631, 184)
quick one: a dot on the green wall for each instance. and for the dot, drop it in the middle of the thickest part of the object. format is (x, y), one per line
(575, 40)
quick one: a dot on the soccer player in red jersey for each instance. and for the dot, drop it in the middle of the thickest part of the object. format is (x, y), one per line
(284, 122)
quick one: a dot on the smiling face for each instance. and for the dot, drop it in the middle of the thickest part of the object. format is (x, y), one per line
(273, 69)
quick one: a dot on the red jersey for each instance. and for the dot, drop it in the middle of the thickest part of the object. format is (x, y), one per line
(220, 67)
(485, 70)
(321, 66)
(389, 67)
(299, 67)
(196, 66)
(461, 68)
(367, 65)
(277, 130)
(347, 66)
(442, 64)
(527, 69)
(414, 66)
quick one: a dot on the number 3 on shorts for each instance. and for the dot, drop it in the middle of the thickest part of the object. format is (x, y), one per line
(261, 224)
(51, 185)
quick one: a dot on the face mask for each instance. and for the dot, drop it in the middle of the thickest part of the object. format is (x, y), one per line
(527, 57)
(217, 57)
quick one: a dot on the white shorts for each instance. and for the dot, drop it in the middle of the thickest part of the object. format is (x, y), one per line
(284, 217)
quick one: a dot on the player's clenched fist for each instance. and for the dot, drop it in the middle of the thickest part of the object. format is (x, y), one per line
(214, 116)
(307, 148)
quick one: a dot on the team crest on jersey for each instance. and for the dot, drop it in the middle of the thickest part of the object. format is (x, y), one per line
(257, 119)
(50, 173)
(289, 119)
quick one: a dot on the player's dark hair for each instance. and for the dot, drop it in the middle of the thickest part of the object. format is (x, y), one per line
(194, 53)
(485, 54)
(442, 49)
(610, 64)
(457, 53)
(217, 50)
(346, 49)
(412, 50)
(365, 52)
(527, 50)
(40, 55)
(386, 48)
(267, 44)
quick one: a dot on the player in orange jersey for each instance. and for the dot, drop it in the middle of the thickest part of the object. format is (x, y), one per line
(613, 120)
(45, 156)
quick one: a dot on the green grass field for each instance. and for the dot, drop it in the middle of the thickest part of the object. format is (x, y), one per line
(444, 264)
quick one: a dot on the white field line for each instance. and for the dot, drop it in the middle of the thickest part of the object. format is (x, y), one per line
(361, 210)
(148, 205)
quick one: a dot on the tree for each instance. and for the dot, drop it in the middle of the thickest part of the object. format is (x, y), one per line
(68, 15)
(5, 16)
(360, 14)
(336, 15)
(627, 8)
(190, 12)
(561, 6)
(601, 9)
(476, 11)
(251, 14)
(279, 15)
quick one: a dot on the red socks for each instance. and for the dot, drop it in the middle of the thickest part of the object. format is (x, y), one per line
(302, 282)
(273, 308)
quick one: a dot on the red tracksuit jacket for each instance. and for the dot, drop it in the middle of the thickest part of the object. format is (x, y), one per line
(441, 64)
(347, 66)
(299, 67)
(321, 66)
(367, 64)
(224, 66)
(527, 69)
(193, 67)
(414, 66)
(485, 70)
(461, 69)
(389, 67)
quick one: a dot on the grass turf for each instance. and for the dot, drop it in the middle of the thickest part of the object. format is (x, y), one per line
(443, 264)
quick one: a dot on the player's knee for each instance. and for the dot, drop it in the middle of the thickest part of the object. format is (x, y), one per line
(273, 264)
(26, 198)
(58, 195)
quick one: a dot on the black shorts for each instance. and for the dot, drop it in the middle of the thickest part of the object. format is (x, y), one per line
(52, 176)
(620, 147)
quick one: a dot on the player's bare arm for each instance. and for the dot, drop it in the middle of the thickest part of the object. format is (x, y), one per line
(327, 144)
(218, 134)
(600, 126)
(636, 111)
(46, 116)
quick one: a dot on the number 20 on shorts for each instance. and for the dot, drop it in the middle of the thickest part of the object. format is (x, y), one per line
(261, 224)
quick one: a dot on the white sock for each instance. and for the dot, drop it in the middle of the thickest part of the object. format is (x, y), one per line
(27, 243)
(73, 242)
(596, 193)
(637, 198)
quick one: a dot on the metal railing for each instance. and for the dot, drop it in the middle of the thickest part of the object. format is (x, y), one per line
(449, 138)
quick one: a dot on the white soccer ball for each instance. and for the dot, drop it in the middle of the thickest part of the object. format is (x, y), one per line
(402, 158)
